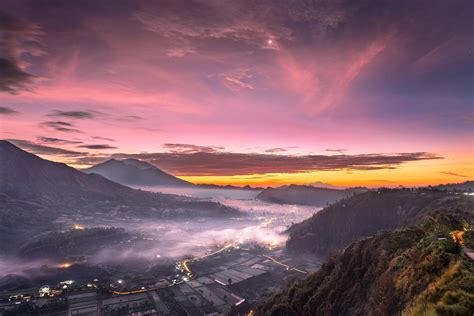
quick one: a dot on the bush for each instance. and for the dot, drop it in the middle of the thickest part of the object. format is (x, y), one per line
(469, 239)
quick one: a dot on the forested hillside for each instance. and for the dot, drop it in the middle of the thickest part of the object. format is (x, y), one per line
(365, 214)
(419, 270)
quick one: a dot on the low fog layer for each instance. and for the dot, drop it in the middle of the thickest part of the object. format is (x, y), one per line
(210, 193)
(264, 225)
(165, 240)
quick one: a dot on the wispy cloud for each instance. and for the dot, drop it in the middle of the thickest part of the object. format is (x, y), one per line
(103, 138)
(190, 149)
(53, 140)
(279, 149)
(73, 114)
(97, 146)
(15, 33)
(130, 118)
(7, 111)
(202, 160)
(61, 126)
(44, 150)
(210, 21)
(449, 173)
(339, 151)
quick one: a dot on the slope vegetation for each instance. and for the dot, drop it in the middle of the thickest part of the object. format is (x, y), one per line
(419, 270)
(365, 214)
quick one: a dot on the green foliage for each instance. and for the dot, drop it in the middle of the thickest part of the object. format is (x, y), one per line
(365, 214)
(469, 239)
(415, 271)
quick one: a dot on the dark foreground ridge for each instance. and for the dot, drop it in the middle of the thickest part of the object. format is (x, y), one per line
(420, 270)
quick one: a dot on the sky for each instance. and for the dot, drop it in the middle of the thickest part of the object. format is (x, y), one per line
(348, 93)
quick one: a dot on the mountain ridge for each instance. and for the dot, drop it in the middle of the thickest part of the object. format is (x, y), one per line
(365, 214)
(306, 195)
(57, 186)
(418, 270)
(135, 172)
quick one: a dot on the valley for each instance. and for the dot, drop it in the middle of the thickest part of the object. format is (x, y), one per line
(93, 245)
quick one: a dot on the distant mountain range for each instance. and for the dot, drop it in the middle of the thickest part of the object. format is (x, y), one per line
(27, 177)
(34, 192)
(306, 195)
(467, 186)
(136, 172)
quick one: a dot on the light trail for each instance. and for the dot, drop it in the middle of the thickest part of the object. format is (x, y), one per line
(131, 292)
(185, 266)
(284, 265)
(144, 290)
(216, 252)
(185, 262)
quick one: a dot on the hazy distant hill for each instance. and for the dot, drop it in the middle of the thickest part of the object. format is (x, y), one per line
(416, 271)
(365, 214)
(228, 187)
(136, 172)
(306, 195)
(467, 186)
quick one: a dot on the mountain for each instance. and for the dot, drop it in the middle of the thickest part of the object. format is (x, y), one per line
(306, 195)
(136, 172)
(140, 164)
(419, 270)
(466, 186)
(34, 193)
(19, 220)
(365, 214)
(228, 187)
(56, 186)
(28, 177)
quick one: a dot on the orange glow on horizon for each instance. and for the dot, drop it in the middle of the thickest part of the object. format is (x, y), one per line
(419, 173)
(411, 175)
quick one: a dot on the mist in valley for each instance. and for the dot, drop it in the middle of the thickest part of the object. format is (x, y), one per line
(151, 243)
(205, 193)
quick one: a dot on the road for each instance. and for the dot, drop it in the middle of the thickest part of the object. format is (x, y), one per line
(185, 262)
(284, 265)
(185, 265)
